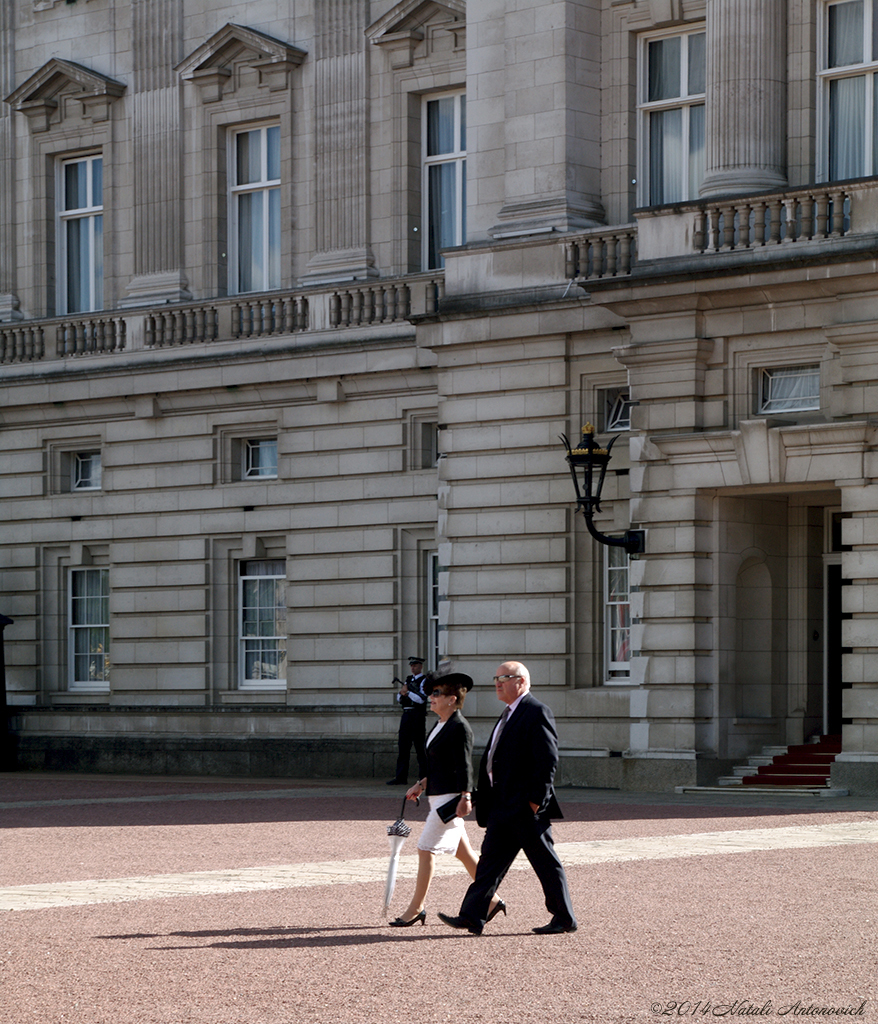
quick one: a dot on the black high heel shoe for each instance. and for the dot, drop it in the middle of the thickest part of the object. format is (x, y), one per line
(399, 923)
(501, 906)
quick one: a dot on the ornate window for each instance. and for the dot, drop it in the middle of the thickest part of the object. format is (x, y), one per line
(671, 111)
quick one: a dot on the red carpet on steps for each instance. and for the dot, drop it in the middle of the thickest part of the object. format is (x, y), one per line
(806, 764)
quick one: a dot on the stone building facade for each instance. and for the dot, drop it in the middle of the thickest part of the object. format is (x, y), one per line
(295, 301)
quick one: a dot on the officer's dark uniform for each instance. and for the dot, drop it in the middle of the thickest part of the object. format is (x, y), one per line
(413, 727)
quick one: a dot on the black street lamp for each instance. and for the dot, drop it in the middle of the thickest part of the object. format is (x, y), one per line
(593, 461)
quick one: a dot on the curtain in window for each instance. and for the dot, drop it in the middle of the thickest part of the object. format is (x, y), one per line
(847, 127)
(446, 180)
(440, 126)
(263, 620)
(89, 620)
(696, 149)
(790, 388)
(251, 269)
(664, 69)
(697, 44)
(261, 458)
(442, 203)
(77, 265)
(666, 156)
(845, 34)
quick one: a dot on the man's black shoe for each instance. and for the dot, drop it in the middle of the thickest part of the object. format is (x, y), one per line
(554, 927)
(397, 782)
(460, 922)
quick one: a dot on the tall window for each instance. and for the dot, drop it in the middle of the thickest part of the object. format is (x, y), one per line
(89, 632)
(262, 625)
(444, 187)
(671, 118)
(80, 235)
(850, 89)
(255, 209)
(617, 618)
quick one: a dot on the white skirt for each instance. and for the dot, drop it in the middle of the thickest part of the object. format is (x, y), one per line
(437, 837)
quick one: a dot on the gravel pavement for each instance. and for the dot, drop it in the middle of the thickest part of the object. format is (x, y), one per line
(209, 901)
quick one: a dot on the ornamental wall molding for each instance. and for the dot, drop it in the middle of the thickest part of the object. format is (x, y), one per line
(404, 27)
(759, 453)
(39, 98)
(211, 66)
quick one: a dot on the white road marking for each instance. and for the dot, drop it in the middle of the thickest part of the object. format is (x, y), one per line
(374, 869)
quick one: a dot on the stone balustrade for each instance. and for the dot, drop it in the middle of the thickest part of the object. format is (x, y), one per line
(238, 318)
(748, 222)
(92, 335)
(601, 253)
(22, 342)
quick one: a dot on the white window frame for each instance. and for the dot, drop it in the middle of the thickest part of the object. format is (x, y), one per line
(456, 158)
(808, 402)
(252, 468)
(617, 409)
(91, 218)
(685, 101)
(270, 189)
(866, 69)
(617, 616)
(85, 471)
(93, 632)
(275, 643)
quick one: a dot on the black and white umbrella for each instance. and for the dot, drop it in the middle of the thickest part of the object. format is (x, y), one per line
(397, 833)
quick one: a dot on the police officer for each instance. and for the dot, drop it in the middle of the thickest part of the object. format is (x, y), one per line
(412, 698)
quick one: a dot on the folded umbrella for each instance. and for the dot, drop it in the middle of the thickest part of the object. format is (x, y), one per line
(397, 833)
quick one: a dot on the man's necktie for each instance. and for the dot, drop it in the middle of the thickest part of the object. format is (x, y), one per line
(494, 739)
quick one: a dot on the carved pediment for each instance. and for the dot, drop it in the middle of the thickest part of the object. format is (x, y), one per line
(211, 67)
(39, 98)
(407, 24)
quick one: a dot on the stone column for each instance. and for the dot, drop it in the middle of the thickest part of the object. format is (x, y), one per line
(341, 132)
(8, 299)
(672, 632)
(745, 97)
(157, 138)
(856, 768)
(533, 107)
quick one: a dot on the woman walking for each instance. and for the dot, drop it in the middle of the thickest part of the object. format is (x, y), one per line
(449, 776)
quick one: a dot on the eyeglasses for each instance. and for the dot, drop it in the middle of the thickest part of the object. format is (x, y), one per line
(497, 679)
(439, 693)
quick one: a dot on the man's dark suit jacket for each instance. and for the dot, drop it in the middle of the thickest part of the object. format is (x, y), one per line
(450, 758)
(524, 767)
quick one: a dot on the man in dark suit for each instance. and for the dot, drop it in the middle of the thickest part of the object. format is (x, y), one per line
(515, 802)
